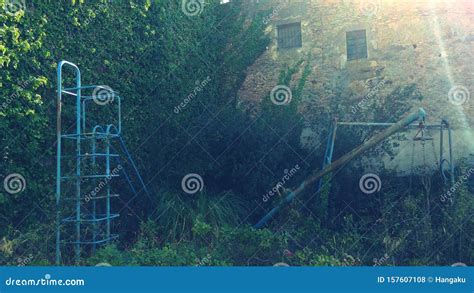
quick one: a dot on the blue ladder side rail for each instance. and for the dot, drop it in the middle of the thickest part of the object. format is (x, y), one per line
(128, 158)
(329, 151)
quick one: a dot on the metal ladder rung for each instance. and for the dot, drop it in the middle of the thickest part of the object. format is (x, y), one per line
(91, 198)
(69, 93)
(89, 135)
(84, 87)
(91, 155)
(94, 97)
(422, 138)
(88, 176)
(104, 196)
(112, 237)
(102, 218)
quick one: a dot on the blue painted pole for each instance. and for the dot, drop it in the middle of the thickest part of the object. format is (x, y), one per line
(451, 158)
(134, 166)
(78, 170)
(58, 153)
(94, 204)
(107, 172)
(329, 149)
(58, 165)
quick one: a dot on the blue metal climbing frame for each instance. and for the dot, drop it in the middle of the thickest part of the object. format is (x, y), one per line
(84, 196)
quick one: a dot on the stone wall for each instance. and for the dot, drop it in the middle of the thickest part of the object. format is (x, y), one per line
(426, 43)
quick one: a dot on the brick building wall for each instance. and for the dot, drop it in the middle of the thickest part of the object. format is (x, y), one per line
(429, 43)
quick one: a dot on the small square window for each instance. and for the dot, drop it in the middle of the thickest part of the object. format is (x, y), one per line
(356, 42)
(289, 35)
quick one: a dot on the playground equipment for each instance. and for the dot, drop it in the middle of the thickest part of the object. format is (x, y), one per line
(83, 197)
(471, 167)
(415, 120)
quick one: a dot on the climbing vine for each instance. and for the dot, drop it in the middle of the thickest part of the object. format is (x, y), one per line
(158, 58)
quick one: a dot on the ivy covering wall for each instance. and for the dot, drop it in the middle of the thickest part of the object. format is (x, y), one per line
(179, 76)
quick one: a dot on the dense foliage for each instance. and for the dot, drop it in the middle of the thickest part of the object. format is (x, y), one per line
(156, 56)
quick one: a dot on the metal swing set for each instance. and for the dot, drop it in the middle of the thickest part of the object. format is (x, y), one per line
(415, 120)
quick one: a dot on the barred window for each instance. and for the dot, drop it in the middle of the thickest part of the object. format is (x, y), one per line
(289, 35)
(356, 45)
